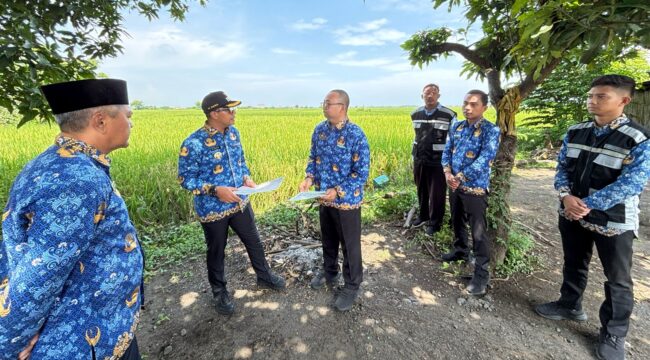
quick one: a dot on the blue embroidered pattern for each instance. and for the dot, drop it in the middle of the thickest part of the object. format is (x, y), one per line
(209, 159)
(339, 159)
(70, 262)
(469, 153)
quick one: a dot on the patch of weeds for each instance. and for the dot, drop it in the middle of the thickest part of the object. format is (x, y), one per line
(457, 268)
(161, 319)
(519, 255)
(388, 204)
(286, 215)
(442, 240)
(170, 244)
(536, 164)
(299, 218)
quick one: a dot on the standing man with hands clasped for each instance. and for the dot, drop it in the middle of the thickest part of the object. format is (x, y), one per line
(211, 165)
(339, 163)
(467, 160)
(603, 166)
(431, 123)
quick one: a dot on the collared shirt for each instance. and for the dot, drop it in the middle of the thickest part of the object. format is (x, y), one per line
(339, 159)
(70, 261)
(635, 173)
(438, 107)
(469, 153)
(209, 158)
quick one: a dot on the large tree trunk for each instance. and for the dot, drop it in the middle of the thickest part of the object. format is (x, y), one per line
(499, 217)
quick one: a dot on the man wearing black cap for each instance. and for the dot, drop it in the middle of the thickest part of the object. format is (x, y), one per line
(70, 261)
(211, 165)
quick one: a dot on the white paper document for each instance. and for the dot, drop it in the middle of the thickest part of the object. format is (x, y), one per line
(260, 188)
(307, 195)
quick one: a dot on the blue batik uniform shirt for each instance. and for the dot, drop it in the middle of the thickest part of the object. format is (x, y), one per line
(70, 261)
(631, 182)
(469, 153)
(339, 159)
(209, 158)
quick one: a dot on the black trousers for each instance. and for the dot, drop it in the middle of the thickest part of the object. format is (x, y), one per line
(216, 237)
(471, 208)
(615, 254)
(342, 227)
(431, 185)
(132, 352)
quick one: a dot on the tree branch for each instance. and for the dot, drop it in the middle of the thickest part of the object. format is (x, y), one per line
(530, 83)
(463, 50)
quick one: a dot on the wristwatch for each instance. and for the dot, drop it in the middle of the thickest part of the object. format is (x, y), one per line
(563, 194)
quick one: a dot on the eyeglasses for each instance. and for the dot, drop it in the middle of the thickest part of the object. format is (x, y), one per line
(230, 110)
(325, 105)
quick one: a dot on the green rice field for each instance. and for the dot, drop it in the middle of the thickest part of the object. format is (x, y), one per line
(276, 143)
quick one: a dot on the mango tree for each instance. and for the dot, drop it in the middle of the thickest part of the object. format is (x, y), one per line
(522, 42)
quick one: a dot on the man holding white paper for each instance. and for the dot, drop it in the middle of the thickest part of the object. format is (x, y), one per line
(339, 163)
(212, 166)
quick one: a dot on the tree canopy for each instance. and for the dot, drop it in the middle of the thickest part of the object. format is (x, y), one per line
(559, 101)
(526, 39)
(522, 42)
(43, 41)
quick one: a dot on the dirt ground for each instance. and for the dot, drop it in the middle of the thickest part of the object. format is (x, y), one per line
(410, 308)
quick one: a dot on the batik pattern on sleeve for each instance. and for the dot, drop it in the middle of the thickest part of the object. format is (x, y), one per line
(339, 159)
(70, 261)
(207, 159)
(469, 153)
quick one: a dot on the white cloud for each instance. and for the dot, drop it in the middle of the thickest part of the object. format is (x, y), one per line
(283, 51)
(170, 47)
(253, 77)
(310, 75)
(349, 58)
(401, 5)
(371, 25)
(314, 24)
(372, 33)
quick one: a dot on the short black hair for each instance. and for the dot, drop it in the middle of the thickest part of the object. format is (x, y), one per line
(616, 81)
(484, 96)
(431, 85)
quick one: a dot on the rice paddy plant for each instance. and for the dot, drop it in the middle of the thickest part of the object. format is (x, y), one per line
(276, 143)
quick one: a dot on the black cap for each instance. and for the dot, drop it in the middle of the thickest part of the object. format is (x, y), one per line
(216, 100)
(83, 94)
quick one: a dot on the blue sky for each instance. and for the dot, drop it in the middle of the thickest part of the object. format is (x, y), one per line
(286, 53)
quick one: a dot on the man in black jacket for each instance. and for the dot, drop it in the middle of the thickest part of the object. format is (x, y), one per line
(431, 123)
(603, 166)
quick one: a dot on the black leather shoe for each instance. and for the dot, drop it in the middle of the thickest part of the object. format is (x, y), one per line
(454, 256)
(430, 230)
(610, 347)
(554, 311)
(225, 305)
(320, 280)
(273, 281)
(345, 299)
(417, 222)
(477, 286)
